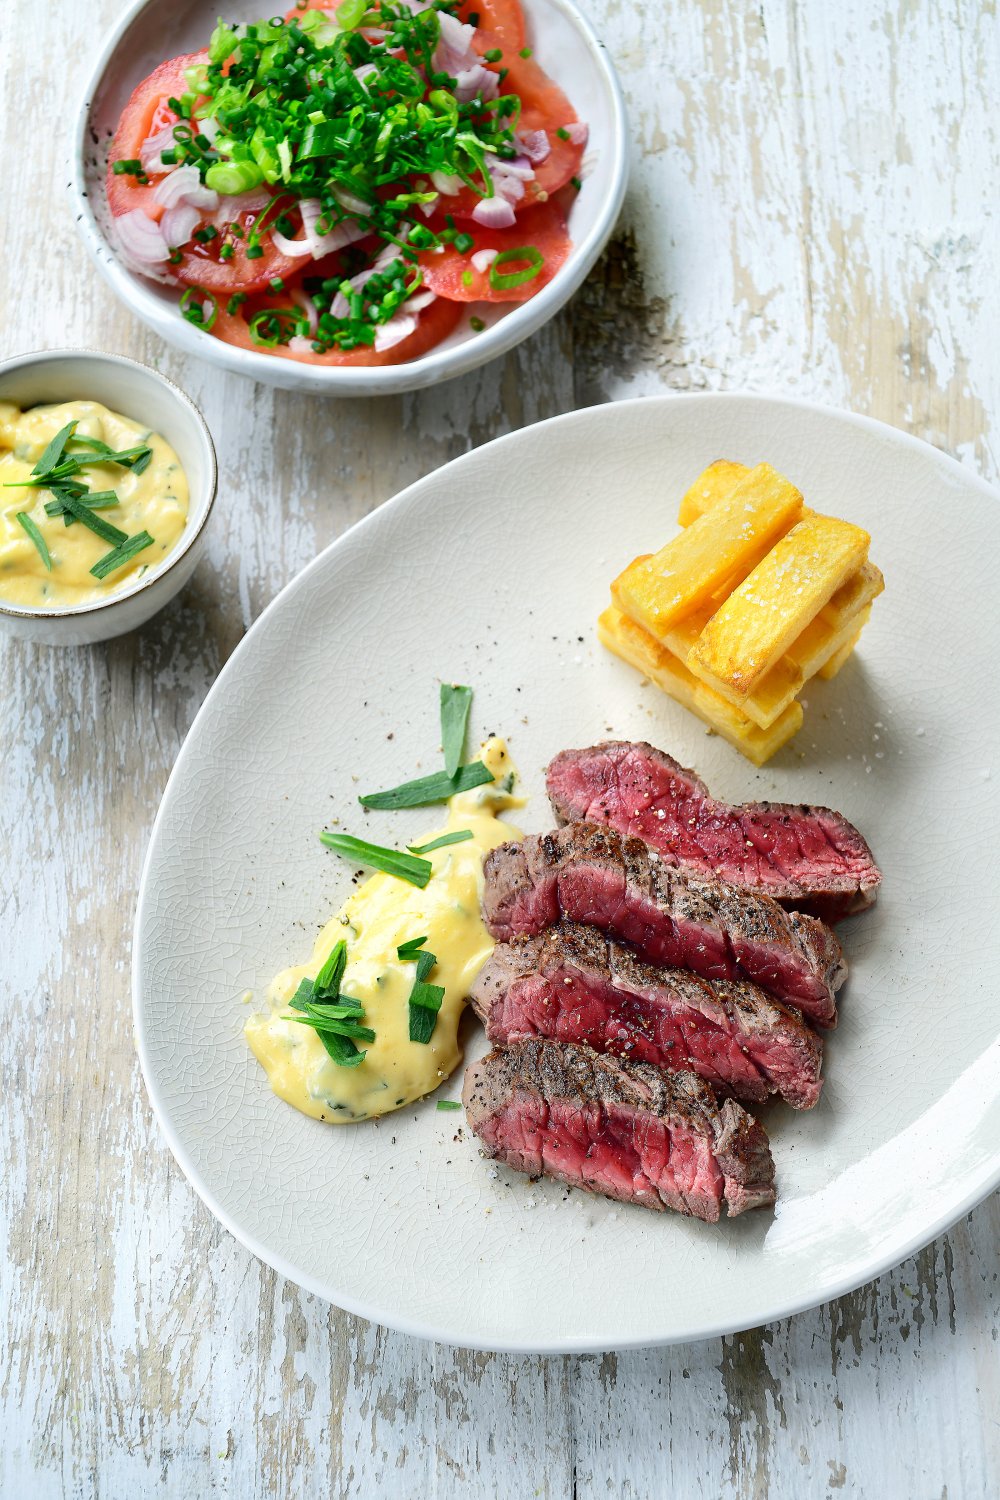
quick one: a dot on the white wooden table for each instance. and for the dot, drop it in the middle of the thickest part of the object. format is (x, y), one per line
(813, 210)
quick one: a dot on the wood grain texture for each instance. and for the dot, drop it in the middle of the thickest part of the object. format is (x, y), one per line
(813, 211)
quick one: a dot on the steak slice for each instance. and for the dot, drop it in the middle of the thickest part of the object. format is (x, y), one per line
(629, 1132)
(808, 858)
(591, 874)
(573, 984)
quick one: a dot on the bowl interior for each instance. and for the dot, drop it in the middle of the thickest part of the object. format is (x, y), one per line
(565, 47)
(135, 392)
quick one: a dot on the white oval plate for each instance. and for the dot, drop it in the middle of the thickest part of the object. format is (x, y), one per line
(149, 32)
(492, 572)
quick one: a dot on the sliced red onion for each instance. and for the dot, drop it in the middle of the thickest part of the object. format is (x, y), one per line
(151, 149)
(351, 201)
(428, 208)
(419, 301)
(454, 52)
(209, 127)
(179, 224)
(534, 144)
(141, 238)
(483, 259)
(313, 242)
(185, 186)
(509, 185)
(578, 132)
(299, 344)
(231, 207)
(340, 307)
(447, 183)
(475, 82)
(518, 166)
(365, 71)
(494, 213)
(306, 305)
(398, 328)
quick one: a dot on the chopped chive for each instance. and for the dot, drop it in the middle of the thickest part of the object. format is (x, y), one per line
(562, 133)
(455, 703)
(390, 861)
(493, 55)
(36, 536)
(463, 243)
(525, 52)
(576, 183)
(476, 324)
(449, 1104)
(112, 561)
(427, 789)
(446, 838)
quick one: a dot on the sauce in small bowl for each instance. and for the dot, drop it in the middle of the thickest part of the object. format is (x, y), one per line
(108, 475)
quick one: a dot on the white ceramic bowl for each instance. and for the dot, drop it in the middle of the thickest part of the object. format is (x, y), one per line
(150, 31)
(124, 386)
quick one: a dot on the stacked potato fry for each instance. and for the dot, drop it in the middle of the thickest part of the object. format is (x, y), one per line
(756, 595)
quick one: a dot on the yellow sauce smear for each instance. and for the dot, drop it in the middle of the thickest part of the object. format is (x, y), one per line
(381, 915)
(155, 501)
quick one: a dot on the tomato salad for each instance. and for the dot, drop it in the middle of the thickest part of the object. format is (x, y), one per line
(339, 185)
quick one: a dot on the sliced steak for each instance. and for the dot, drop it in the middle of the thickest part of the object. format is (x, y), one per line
(593, 875)
(808, 858)
(573, 984)
(630, 1132)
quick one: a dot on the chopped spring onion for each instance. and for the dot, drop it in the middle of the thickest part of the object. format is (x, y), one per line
(446, 838)
(502, 281)
(199, 307)
(36, 536)
(449, 1104)
(112, 561)
(391, 861)
(426, 789)
(455, 703)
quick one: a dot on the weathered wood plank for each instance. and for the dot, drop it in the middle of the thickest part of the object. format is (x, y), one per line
(811, 211)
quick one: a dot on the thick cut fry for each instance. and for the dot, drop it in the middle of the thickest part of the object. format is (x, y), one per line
(712, 485)
(771, 608)
(839, 658)
(636, 646)
(819, 641)
(717, 550)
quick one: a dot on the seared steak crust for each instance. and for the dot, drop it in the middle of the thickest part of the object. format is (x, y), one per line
(810, 859)
(593, 875)
(573, 984)
(632, 1133)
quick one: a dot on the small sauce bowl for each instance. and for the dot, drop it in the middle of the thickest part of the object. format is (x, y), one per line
(138, 392)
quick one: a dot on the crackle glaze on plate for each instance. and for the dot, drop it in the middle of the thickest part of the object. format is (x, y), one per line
(492, 572)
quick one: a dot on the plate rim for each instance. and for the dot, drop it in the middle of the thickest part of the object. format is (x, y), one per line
(984, 1182)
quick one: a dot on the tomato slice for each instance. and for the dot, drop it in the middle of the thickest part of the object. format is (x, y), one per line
(544, 106)
(453, 275)
(200, 264)
(145, 113)
(503, 19)
(434, 324)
